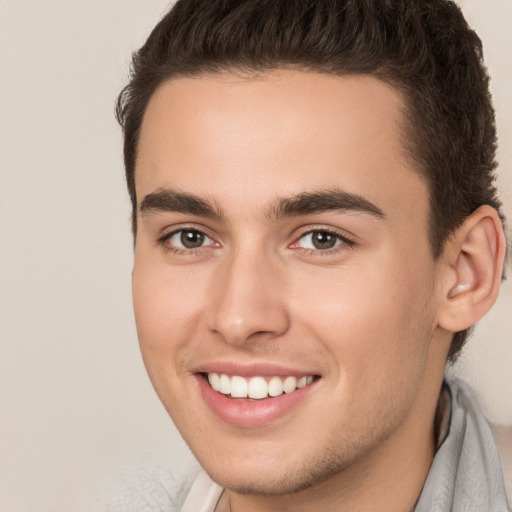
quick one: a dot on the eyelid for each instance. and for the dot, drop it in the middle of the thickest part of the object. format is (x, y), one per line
(163, 240)
(348, 240)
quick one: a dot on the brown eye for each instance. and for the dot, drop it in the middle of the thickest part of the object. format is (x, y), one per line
(320, 240)
(188, 239)
(191, 239)
(323, 240)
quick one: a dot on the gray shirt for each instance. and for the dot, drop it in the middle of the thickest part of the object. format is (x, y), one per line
(465, 475)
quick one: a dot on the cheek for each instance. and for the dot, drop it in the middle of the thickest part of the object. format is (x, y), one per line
(167, 314)
(371, 319)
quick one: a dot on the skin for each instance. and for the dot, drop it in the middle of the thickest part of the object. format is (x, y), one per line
(364, 316)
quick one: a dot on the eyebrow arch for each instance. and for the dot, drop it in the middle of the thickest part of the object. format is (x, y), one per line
(167, 200)
(309, 203)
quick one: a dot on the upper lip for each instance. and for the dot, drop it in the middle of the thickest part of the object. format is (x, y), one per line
(252, 369)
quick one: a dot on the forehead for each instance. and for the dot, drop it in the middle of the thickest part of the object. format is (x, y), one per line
(244, 140)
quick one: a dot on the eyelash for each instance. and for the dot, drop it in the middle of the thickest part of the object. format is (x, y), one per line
(164, 241)
(345, 244)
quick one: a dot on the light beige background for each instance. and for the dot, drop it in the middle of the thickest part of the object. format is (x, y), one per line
(75, 403)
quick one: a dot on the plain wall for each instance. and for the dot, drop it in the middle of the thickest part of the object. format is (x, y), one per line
(75, 402)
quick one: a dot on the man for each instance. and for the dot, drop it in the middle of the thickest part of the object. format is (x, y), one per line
(316, 232)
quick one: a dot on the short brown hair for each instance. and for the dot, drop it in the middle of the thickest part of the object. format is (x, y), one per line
(424, 48)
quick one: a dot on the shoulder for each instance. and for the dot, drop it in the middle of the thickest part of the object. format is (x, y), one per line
(149, 484)
(468, 421)
(502, 436)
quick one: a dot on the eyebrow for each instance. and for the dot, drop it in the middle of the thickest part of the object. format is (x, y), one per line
(307, 203)
(166, 200)
(333, 200)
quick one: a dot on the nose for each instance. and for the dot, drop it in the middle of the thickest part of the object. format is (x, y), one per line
(249, 300)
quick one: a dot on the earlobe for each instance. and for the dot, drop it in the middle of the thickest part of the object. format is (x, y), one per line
(473, 258)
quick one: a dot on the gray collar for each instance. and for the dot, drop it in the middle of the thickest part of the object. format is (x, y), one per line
(465, 475)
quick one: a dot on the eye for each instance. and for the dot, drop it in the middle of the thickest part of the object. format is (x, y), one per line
(187, 239)
(321, 240)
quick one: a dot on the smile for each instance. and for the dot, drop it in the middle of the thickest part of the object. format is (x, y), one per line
(253, 397)
(256, 388)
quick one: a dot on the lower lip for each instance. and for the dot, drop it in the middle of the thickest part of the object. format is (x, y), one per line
(251, 413)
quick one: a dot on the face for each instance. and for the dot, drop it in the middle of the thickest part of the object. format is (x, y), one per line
(282, 254)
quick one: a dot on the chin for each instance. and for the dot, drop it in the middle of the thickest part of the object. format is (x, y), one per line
(268, 477)
(270, 484)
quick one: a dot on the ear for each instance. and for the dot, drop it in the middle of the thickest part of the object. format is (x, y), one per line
(472, 270)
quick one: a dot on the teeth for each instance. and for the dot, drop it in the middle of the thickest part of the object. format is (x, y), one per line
(238, 387)
(225, 384)
(289, 384)
(256, 387)
(214, 380)
(275, 386)
(302, 382)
